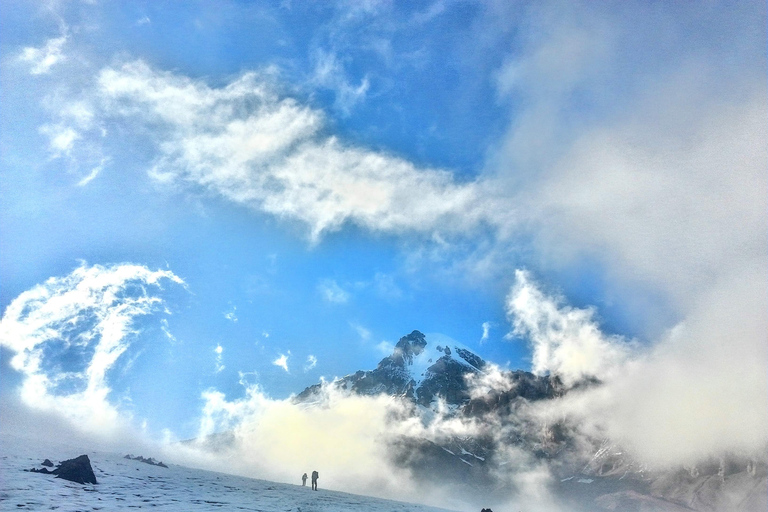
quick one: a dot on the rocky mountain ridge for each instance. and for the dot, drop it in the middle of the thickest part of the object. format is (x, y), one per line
(588, 471)
(424, 374)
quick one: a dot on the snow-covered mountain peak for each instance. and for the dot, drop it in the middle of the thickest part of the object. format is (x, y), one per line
(428, 350)
(422, 368)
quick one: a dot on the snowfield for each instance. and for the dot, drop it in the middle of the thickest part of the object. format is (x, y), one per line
(130, 484)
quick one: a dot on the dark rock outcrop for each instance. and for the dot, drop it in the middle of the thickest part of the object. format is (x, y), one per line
(76, 470)
(445, 379)
(47, 463)
(150, 460)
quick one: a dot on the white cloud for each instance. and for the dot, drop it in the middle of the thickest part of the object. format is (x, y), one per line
(69, 332)
(330, 74)
(486, 331)
(311, 363)
(44, 58)
(566, 341)
(700, 390)
(62, 138)
(661, 182)
(286, 436)
(219, 350)
(654, 171)
(664, 183)
(282, 361)
(167, 330)
(94, 172)
(247, 144)
(231, 315)
(332, 292)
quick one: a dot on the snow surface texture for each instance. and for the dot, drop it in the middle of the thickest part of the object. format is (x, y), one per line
(130, 484)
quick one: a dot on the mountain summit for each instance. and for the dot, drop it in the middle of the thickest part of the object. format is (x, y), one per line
(425, 373)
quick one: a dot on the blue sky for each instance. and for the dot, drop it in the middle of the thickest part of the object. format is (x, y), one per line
(321, 178)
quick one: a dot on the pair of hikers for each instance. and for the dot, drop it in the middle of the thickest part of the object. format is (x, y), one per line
(315, 476)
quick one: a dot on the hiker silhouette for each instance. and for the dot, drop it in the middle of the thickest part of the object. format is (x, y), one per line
(304, 480)
(315, 476)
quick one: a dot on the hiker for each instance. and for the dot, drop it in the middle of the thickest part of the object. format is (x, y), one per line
(315, 476)
(304, 480)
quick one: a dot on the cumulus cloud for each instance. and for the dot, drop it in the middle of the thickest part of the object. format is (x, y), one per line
(44, 58)
(69, 332)
(662, 182)
(566, 341)
(699, 390)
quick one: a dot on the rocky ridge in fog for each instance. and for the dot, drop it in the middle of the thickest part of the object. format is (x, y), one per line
(588, 473)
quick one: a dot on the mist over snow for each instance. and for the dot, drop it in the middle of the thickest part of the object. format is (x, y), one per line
(213, 212)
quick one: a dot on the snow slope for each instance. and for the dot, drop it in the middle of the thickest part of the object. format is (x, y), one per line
(435, 349)
(130, 484)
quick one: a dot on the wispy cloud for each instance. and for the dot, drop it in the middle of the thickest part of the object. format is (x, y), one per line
(386, 286)
(87, 318)
(42, 59)
(94, 172)
(253, 147)
(486, 326)
(332, 292)
(364, 333)
(329, 73)
(219, 350)
(311, 363)
(282, 361)
(231, 315)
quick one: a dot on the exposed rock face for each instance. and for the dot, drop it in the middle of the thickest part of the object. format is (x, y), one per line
(445, 379)
(76, 470)
(47, 463)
